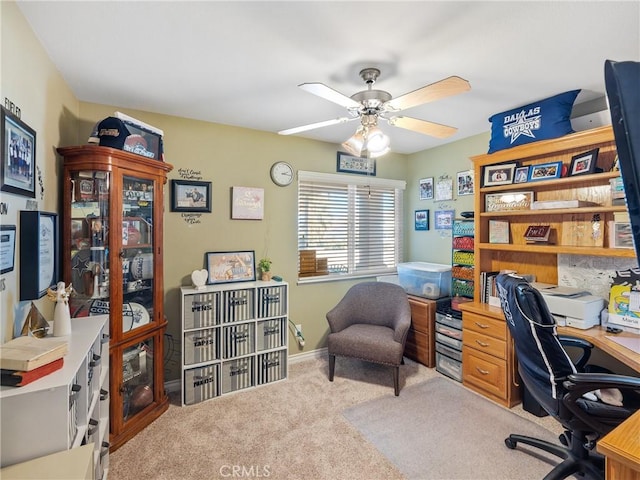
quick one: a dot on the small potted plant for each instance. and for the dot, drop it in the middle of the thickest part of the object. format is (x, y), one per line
(265, 267)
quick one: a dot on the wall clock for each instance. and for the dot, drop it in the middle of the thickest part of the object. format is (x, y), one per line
(282, 173)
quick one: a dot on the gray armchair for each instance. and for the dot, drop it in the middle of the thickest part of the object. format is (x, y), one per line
(370, 323)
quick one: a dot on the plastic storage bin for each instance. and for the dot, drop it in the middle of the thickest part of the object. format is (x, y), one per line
(429, 280)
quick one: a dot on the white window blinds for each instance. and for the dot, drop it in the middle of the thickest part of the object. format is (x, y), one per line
(348, 226)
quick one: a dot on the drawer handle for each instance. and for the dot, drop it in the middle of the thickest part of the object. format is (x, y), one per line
(482, 344)
(482, 325)
(483, 372)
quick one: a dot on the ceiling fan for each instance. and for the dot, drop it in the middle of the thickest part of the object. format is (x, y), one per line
(371, 105)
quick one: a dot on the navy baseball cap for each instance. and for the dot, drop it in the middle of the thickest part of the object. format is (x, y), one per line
(112, 132)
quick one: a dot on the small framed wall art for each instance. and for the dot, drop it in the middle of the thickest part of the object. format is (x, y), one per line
(443, 219)
(426, 188)
(227, 267)
(349, 164)
(39, 259)
(421, 220)
(584, 163)
(190, 196)
(7, 248)
(247, 203)
(465, 183)
(18, 156)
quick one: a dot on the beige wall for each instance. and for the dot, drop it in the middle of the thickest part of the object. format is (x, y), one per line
(230, 156)
(226, 156)
(30, 80)
(435, 245)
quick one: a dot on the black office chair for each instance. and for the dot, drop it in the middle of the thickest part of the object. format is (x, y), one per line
(554, 382)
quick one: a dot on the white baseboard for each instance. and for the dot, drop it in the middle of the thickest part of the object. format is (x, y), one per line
(172, 386)
(300, 357)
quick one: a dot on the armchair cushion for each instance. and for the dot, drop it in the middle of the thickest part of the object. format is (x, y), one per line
(373, 343)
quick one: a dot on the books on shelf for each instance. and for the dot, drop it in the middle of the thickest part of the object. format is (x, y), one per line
(498, 231)
(20, 378)
(551, 204)
(28, 353)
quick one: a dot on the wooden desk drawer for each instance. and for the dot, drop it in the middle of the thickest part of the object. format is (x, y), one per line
(485, 343)
(485, 325)
(485, 372)
(422, 314)
(419, 348)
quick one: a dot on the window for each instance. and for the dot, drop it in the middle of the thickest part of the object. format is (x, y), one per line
(348, 226)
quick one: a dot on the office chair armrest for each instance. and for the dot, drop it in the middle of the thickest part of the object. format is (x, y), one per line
(585, 346)
(580, 383)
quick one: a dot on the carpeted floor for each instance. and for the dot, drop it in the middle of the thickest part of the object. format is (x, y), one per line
(293, 429)
(439, 429)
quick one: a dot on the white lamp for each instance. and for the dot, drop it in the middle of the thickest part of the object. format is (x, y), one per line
(368, 139)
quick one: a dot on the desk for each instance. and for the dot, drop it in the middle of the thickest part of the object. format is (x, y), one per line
(621, 446)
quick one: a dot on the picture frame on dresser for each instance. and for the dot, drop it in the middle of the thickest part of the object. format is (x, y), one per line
(18, 166)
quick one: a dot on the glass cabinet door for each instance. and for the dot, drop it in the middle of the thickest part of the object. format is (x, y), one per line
(89, 251)
(137, 388)
(137, 253)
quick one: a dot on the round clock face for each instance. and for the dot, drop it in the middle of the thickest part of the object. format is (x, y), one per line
(282, 173)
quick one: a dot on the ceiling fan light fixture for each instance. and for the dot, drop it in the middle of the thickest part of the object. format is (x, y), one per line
(355, 143)
(377, 143)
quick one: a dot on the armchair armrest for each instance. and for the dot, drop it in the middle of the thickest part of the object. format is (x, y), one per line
(585, 346)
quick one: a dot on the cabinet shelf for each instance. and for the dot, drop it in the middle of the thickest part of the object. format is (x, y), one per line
(555, 249)
(555, 211)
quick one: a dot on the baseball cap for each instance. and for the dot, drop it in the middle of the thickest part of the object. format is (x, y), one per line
(112, 132)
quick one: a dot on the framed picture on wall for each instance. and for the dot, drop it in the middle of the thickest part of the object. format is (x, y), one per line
(465, 183)
(190, 196)
(426, 188)
(39, 249)
(443, 219)
(18, 167)
(422, 219)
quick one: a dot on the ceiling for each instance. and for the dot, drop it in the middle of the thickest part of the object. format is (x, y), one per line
(239, 63)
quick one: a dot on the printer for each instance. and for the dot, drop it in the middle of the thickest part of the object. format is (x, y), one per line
(570, 306)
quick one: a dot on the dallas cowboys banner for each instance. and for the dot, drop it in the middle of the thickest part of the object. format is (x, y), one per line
(545, 119)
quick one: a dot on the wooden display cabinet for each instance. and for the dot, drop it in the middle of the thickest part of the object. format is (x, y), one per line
(489, 365)
(112, 253)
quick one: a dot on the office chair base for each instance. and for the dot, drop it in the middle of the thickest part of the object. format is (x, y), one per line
(576, 460)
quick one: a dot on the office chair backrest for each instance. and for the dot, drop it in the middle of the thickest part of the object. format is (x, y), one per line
(543, 362)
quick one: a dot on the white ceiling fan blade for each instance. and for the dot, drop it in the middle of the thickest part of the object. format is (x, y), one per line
(422, 126)
(442, 89)
(321, 90)
(311, 126)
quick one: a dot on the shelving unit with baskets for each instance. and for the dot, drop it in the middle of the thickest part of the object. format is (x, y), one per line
(462, 260)
(234, 337)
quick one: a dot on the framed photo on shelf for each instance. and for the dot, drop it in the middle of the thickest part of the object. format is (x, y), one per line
(545, 171)
(501, 174)
(7, 248)
(190, 196)
(465, 182)
(349, 164)
(443, 219)
(39, 247)
(621, 235)
(426, 188)
(18, 169)
(521, 175)
(498, 231)
(506, 202)
(422, 219)
(584, 163)
(227, 267)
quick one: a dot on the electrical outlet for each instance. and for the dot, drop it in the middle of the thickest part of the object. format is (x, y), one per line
(298, 330)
